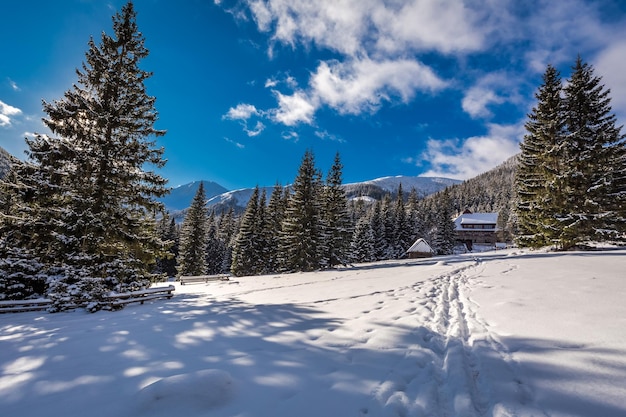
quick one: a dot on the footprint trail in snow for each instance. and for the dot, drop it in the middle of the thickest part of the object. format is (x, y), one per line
(450, 364)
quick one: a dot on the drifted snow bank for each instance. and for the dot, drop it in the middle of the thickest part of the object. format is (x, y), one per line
(194, 392)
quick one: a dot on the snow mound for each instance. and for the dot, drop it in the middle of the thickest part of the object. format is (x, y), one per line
(201, 390)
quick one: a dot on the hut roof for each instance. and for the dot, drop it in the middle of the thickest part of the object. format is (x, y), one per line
(420, 245)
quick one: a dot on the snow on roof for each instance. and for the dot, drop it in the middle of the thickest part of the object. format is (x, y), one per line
(420, 245)
(475, 218)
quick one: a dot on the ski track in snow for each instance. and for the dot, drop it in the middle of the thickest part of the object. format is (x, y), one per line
(440, 372)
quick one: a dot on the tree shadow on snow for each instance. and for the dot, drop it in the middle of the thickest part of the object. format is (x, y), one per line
(284, 360)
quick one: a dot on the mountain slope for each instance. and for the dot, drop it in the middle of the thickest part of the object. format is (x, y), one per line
(222, 201)
(180, 197)
(378, 187)
(237, 199)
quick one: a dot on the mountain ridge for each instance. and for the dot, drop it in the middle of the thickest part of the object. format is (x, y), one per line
(180, 197)
(375, 188)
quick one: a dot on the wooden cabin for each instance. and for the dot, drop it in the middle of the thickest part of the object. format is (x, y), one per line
(419, 249)
(476, 229)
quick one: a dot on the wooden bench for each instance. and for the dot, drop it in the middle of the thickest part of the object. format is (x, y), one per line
(203, 278)
(115, 300)
(141, 295)
(15, 306)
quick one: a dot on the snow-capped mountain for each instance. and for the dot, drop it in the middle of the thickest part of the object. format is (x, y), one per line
(180, 197)
(380, 186)
(369, 190)
(237, 199)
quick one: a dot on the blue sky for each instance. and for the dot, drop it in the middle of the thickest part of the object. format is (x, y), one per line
(245, 87)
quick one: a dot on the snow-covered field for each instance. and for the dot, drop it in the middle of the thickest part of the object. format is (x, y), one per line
(510, 333)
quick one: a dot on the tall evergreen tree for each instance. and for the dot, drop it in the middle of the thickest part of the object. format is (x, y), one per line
(227, 232)
(194, 236)
(362, 243)
(388, 217)
(377, 224)
(301, 228)
(273, 225)
(594, 171)
(403, 235)
(336, 220)
(538, 176)
(415, 216)
(444, 240)
(22, 273)
(216, 248)
(248, 256)
(95, 202)
(168, 231)
(571, 180)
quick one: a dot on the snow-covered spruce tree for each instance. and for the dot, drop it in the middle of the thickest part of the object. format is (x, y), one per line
(91, 202)
(301, 228)
(21, 272)
(388, 216)
(336, 220)
(594, 169)
(403, 234)
(445, 237)
(168, 231)
(193, 236)
(275, 215)
(362, 244)
(262, 241)
(216, 248)
(378, 229)
(248, 250)
(538, 176)
(226, 232)
(415, 217)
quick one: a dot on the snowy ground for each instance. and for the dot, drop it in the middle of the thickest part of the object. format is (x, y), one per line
(510, 333)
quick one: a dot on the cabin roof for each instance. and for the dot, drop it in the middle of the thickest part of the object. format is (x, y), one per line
(475, 218)
(420, 245)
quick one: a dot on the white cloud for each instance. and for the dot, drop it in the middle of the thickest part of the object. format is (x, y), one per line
(491, 89)
(6, 113)
(609, 65)
(445, 26)
(554, 32)
(294, 109)
(288, 80)
(351, 27)
(237, 144)
(271, 83)
(353, 87)
(323, 134)
(380, 47)
(453, 158)
(377, 41)
(13, 85)
(476, 102)
(338, 25)
(258, 128)
(360, 86)
(291, 135)
(241, 112)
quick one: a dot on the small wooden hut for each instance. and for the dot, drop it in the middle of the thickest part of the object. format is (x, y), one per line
(419, 249)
